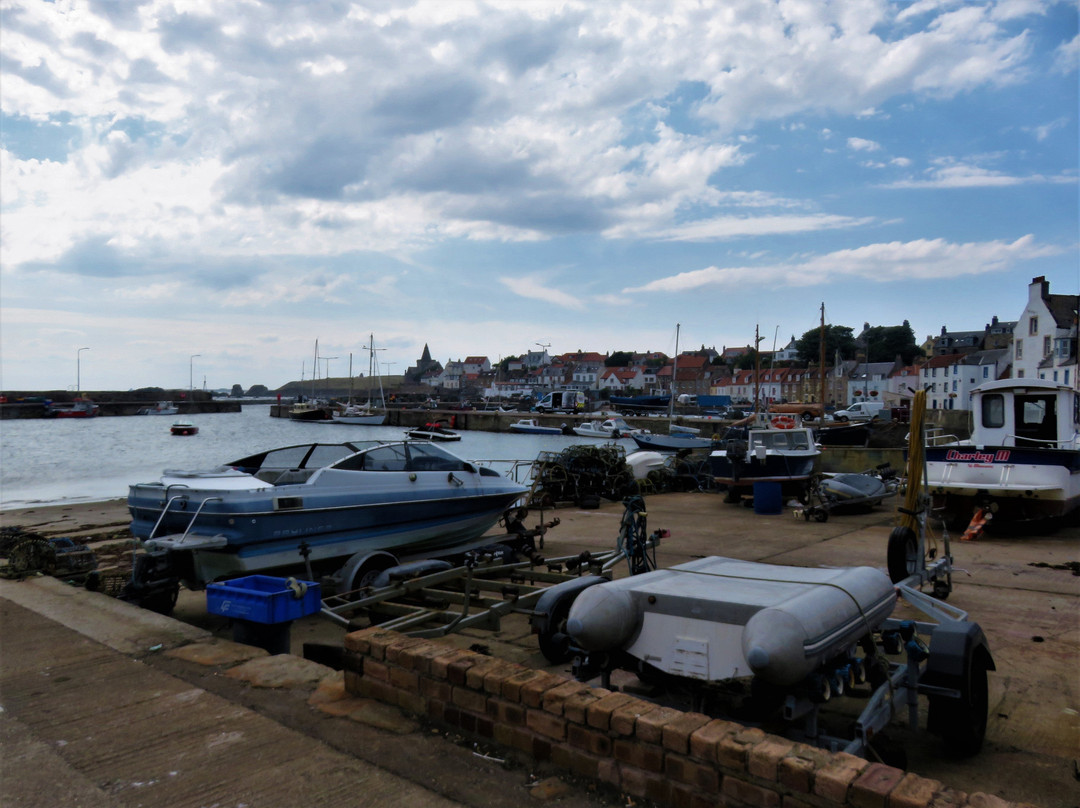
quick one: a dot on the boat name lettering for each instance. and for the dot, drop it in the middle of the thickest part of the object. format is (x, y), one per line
(1000, 456)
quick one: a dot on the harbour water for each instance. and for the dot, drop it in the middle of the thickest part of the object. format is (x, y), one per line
(56, 461)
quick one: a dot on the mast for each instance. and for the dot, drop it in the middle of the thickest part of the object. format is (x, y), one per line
(757, 370)
(350, 378)
(674, 375)
(821, 339)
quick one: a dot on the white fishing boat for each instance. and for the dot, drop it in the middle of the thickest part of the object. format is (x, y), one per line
(532, 426)
(1022, 461)
(609, 428)
(771, 451)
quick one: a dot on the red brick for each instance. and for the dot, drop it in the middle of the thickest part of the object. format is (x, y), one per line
(378, 690)
(608, 772)
(419, 657)
(914, 792)
(624, 719)
(405, 679)
(532, 691)
(749, 793)
(505, 712)
(511, 686)
(469, 700)
(676, 734)
(731, 751)
(360, 641)
(949, 798)
(598, 743)
(833, 780)
(458, 668)
(647, 757)
(575, 708)
(494, 680)
(474, 676)
(544, 723)
(763, 759)
(640, 783)
(378, 641)
(871, 788)
(411, 702)
(649, 726)
(376, 670)
(794, 802)
(683, 796)
(598, 714)
(557, 696)
(435, 689)
(352, 661)
(352, 682)
(439, 667)
(691, 772)
(797, 774)
(397, 652)
(513, 737)
(581, 763)
(703, 740)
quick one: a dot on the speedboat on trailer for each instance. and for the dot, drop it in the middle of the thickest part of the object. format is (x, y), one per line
(1022, 461)
(315, 502)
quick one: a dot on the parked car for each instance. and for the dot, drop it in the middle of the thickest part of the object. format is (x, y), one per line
(862, 411)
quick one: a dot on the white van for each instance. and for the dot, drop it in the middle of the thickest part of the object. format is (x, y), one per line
(862, 411)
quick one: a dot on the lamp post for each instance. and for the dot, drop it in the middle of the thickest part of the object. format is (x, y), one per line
(191, 375)
(78, 368)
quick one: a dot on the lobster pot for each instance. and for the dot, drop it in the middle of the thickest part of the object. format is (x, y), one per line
(768, 498)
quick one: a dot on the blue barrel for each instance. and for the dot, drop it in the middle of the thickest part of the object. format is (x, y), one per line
(767, 498)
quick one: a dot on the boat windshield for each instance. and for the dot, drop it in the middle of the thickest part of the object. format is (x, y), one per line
(780, 440)
(403, 457)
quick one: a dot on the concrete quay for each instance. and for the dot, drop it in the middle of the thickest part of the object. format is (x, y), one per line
(85, 706)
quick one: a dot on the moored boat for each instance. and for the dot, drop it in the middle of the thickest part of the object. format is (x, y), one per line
(161, 408)
(316, 501)
(532, 426)
(771, 451)
(1022, 461)
(435, 430)
(613, 428)
(309, 411)
(79, 408)
(184, 428)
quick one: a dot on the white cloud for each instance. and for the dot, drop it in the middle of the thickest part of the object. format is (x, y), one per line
(861, 144)
(961, 175)
(534, 289)
(883, 263)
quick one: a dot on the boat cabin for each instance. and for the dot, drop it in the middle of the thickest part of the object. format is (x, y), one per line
(1028, 413)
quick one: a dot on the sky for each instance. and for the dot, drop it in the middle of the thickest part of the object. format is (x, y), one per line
(195, 193)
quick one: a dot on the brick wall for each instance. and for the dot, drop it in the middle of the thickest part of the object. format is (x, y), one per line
(686, 760)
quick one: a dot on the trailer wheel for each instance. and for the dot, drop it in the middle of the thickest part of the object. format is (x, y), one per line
(903, 553)
(554, 641)
(963, 720)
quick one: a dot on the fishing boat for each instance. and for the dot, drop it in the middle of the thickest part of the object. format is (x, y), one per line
(78, 408)
(315, 501)
(309, 410)
(609, 428)
(434, 430)
(184, 428)
(771, 450)
(1022, 461)
(531, 426)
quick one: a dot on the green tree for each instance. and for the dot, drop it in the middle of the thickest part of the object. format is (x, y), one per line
(619, 359)
(885, 343)
(837, 338)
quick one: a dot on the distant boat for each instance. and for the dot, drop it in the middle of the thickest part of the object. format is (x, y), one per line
(309, 411)
(79, 408)
(531, 426)
(436, 430)
(613, 428)
(675, 442)
(161, 408)
(184, 428)
(366, 414)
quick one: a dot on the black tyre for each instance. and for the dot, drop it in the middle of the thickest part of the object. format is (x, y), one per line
(554, 641)
(842, 419)
(963, 720)
(903, 553)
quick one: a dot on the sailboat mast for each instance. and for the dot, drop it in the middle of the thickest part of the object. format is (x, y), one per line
(821, 339)
(757, 369)
(674, 375)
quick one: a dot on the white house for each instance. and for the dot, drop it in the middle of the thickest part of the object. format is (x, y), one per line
(1044, 341)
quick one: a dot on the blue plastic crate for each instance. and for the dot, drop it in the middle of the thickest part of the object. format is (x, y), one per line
(262, 599)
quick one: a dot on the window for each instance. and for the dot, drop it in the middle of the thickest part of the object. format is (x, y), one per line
(1033, 326)
(986, 371)
(993, 411)
(1046, 346)
(1019, 349)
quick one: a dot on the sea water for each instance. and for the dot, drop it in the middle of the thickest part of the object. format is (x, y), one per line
(51, 461)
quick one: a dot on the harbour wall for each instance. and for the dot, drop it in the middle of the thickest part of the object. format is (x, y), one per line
(39, 409)
(633, 746)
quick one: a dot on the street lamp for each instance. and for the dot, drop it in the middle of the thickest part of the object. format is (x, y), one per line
(191, 375)
(78, 368)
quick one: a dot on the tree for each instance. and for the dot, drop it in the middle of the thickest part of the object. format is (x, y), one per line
(619, 359)
(837, 338)
(746, 361)
(885, 343)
